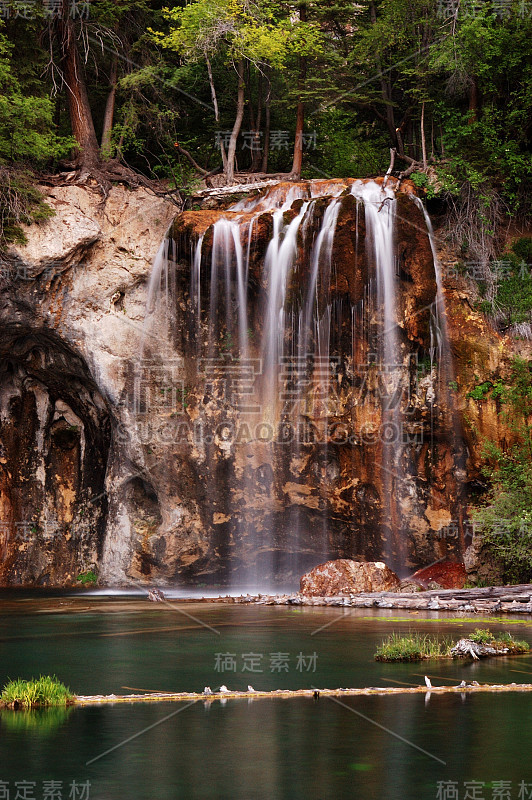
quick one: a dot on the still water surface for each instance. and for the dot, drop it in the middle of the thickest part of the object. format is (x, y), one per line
(373, 747)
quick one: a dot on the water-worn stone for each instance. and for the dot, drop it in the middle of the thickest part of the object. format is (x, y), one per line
(345, 576)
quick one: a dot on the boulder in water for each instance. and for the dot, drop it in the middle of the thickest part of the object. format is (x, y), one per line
(345, 576)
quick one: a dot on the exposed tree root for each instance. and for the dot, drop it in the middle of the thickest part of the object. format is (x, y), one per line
(101, 176)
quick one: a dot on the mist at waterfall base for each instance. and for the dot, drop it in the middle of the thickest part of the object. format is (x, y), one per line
(274, 343)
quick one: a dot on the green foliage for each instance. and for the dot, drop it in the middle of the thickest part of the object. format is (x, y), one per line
(512, 303)
(87, 578)
(480, 392)
(42, 691)
(503, 639)
(26, 122)
(363, 70)
(239, 29)
(506, 520)
(479, 583)
(345, 147)
(20, 203)
(412, 647)
(481, 636)
(522, 248)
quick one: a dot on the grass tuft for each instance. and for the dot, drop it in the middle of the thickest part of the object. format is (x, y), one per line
(37, 692)
(418, 647)
(412, 647)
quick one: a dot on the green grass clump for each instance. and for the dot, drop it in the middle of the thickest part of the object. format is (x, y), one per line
(481, 636)
(504, 639)
(412, 647)
(418, 647)
(37, 692)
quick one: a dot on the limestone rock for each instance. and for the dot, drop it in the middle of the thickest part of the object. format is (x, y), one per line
(345, 576)
(64, 238)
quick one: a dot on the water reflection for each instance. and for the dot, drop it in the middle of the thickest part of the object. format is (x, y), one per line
(41, 721)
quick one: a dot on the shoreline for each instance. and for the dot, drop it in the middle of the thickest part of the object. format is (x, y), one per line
(487, 600)
(502, 600)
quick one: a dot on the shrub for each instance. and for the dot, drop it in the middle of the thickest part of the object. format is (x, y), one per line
(523, 249)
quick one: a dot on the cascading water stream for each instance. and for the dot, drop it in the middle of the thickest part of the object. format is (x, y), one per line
(227, 268)
(380, 209)
(287, 304)
(278, 263)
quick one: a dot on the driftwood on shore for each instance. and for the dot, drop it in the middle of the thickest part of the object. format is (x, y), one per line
(192, 697)
(486, 600)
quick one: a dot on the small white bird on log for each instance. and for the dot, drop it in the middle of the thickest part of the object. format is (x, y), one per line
(223, 688)
(207, 690)
(427, 681)
(250, 688)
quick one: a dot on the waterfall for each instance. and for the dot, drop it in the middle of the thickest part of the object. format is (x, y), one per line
(316, 347)
(278, 263)
(379, 210)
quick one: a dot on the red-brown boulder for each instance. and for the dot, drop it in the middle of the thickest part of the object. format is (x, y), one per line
(345, 576)
(446, 574)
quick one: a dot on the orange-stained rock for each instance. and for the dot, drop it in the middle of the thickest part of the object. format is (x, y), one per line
(345, 576)
(447, 574)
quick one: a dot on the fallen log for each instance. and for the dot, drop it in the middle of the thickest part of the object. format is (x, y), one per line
(189, 697)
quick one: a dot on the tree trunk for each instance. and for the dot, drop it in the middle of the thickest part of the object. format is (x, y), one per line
(386, 91)
(76, 90)
(473, 101)
(191, 159)
(297, 162)
(224, 155)
(390, 168)
(230, 169)
(266, 145)
(256, 152)
(213, 90)
(423, 143)
(109, 112)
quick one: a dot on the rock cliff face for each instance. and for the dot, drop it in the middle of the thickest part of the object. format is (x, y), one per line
(118, 428)
(72, 309)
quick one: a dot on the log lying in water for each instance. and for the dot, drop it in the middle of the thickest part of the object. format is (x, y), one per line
(467, 648)
(192, 697)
